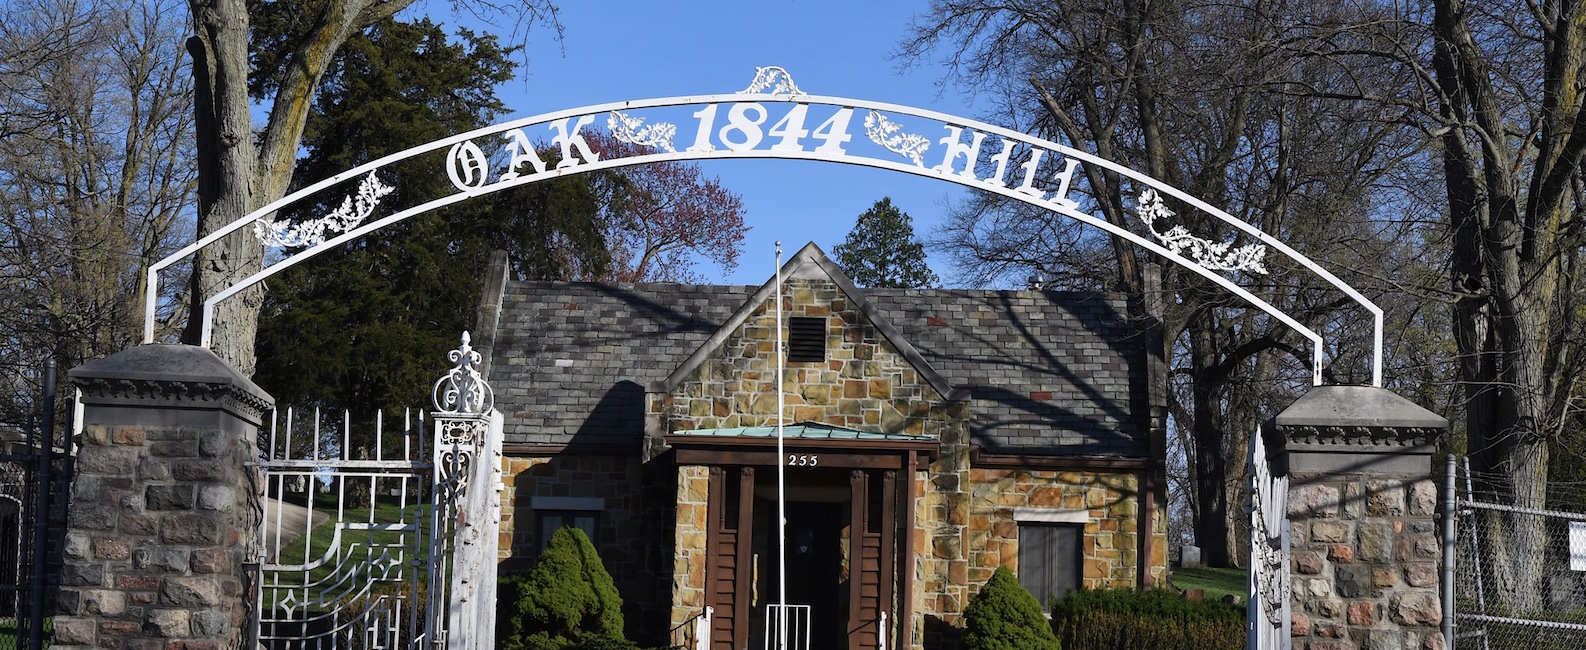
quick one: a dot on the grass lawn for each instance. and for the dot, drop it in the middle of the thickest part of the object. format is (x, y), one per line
(1215, 582)
(360, 544)
(9, 632)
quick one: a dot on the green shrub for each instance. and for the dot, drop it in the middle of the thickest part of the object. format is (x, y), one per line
(1150, 620)
(1003, 616)
(567, 601)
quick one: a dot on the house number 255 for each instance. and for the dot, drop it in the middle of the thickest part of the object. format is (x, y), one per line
(802, 460)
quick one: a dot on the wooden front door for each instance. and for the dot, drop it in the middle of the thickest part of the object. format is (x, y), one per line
(843, 549)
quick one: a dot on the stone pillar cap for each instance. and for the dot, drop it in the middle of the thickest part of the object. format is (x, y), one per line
(1333, 429)
(165, 373)
(1357, 406)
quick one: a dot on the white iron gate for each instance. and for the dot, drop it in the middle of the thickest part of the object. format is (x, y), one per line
(1267, 617)
(382, 539)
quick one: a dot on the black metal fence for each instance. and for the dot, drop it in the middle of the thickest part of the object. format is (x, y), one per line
(35, 479)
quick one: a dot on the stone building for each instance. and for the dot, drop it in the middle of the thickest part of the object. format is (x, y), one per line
(932, 436)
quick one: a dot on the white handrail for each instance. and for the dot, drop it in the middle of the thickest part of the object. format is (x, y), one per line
(797, 618)
(702, 630)
(881, 632)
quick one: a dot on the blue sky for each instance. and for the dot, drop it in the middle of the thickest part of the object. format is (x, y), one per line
(617, 49)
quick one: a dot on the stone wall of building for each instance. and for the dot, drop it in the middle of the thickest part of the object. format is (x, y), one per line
(1111, 503)
(631, 539)
(688, 569)
(966, 528)
(1365, 556)
(863, 384)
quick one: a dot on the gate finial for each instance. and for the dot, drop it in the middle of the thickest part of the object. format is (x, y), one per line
(462, 389)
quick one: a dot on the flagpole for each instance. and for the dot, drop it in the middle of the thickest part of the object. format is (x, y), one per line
(781, 468)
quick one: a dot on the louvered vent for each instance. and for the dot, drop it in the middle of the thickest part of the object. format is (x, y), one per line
(806, 339)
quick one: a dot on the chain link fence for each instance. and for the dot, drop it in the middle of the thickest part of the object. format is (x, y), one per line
(1520, 565)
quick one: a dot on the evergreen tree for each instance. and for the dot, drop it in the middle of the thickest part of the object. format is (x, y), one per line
(567, 601)
(882, 251)
(369, 326)
(1003, 616)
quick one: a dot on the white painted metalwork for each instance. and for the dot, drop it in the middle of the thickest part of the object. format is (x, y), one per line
(352, 212)
(462, 391)
(1212, 255)
(790, 623)
(694, 633)
(702, 629)
(467, 502)
(775, 78)
(633, 131)
(370, 545)
(884, 132)
(1267, 618)
(742, 126)
(346, 552)
(881, 632)
(469, 457)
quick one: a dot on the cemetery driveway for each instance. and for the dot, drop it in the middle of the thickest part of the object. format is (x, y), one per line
(292, 519)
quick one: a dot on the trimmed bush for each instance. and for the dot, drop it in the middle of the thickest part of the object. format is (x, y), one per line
(1151, 620)
(1003, 616)
(566, 602)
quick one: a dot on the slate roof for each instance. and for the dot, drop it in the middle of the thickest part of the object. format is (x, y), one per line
(1047, 372)
(1043, 369)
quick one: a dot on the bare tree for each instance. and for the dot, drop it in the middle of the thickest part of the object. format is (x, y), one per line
(1496, 85)
(95, 177)
(667, 214)
(1192, 94)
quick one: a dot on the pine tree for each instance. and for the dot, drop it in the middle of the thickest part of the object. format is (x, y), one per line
(882, 251)
(368, 326)
(1003, 616)
(567, 601)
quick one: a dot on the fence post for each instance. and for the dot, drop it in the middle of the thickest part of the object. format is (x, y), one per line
(165, 509)
(1450, 519)
(1362, 510)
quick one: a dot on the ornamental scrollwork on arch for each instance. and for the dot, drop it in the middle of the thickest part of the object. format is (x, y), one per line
(889, 135)
(354, 210)
(1217, 256)
(774, 77)
(633, 130)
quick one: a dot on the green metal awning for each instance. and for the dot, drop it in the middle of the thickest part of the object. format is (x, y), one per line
(803, 431)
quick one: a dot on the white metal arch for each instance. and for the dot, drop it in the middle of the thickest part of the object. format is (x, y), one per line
(909, 161)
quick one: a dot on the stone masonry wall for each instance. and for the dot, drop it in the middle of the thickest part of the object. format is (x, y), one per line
(962, 536)
(1111, 501)
(863, 384)
(624, 539)
(1364, 564)
(154, 554)
(688, 570)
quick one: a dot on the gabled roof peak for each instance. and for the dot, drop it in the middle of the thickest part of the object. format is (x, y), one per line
(811, 263)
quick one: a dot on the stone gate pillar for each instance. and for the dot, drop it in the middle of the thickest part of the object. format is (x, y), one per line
(162, 517)
(1366, 553)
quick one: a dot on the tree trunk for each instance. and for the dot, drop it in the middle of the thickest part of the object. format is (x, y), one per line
(1211, 467)
(225, 179)
(234, 177)
(1506, 273)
